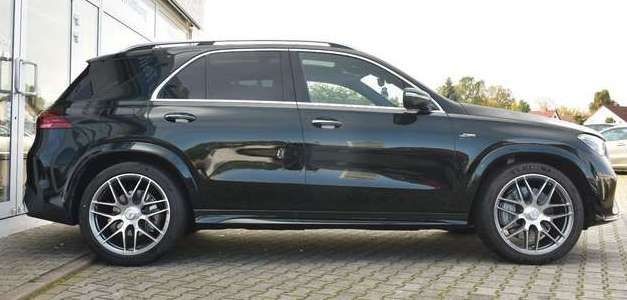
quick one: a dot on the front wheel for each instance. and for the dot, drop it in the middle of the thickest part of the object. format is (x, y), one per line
(131, 213)
(530, 213)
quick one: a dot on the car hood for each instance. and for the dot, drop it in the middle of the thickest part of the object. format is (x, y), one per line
(504, 114)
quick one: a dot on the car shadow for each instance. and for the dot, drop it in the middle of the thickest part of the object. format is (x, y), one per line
(319, 246)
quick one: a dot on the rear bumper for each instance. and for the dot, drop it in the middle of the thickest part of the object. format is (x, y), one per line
(51, 208)
(47, 172)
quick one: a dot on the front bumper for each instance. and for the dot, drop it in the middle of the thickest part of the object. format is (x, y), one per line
(601, 200)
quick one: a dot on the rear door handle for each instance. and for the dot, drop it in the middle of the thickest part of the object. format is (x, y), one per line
(621, 144)
(326, 123)
(179, 117)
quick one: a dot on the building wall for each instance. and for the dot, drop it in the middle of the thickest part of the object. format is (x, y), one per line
(55, 38)
(601, 115)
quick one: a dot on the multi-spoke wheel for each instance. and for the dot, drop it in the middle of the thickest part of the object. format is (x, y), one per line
(530, 213)
(131, 213)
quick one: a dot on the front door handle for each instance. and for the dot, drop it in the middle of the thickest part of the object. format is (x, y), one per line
(179, 117)
(621, 144)
(326, 123)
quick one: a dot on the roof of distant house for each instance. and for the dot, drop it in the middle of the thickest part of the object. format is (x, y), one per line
(544, 113)
(620, 111)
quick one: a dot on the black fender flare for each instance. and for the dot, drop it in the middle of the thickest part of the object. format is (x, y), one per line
(561, 156)
(165, 157)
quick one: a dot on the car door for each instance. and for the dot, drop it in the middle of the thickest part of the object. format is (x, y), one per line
(365, 153)
(617, 146)
(233, 116)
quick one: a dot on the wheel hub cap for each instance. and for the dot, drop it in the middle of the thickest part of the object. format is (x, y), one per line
(532, 213)
(132, 213)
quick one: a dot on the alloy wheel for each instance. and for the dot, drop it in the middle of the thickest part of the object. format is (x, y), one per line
(533, 214)
(129, 214)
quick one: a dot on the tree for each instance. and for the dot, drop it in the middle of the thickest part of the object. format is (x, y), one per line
(448, 90)
(470, 90)
(522, 106)
(499, 96)
(601, 98)
(572, 114)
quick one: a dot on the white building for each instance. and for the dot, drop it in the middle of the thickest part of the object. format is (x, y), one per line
(607, 114)
(44, 45)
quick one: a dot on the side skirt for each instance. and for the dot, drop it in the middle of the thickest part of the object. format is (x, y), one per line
(225, 220)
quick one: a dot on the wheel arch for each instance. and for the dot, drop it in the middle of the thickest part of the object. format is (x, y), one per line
(106, 155)
(563, 159)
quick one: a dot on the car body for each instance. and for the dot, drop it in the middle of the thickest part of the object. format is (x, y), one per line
(266, 146)
(600, 127)
(617, 146)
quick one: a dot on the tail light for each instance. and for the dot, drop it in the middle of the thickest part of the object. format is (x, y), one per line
(52, 120)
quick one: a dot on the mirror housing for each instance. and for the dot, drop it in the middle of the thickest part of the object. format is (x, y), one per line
(415, 99)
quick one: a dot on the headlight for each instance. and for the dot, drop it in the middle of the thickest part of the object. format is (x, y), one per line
(595, 143)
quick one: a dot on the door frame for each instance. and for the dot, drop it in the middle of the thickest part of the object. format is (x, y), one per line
(14, 207)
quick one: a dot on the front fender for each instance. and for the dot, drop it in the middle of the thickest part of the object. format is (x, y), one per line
(561, 156)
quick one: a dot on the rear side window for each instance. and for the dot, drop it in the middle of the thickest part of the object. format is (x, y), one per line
(112, 79)
(189, 83)
(254, 75)
(245, 76)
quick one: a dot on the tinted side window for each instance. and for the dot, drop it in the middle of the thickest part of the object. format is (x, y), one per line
(189, 83)
(254, 75)
(122, 78)
(341, 79)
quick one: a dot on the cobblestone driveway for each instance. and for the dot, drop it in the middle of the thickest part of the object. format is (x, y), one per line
(359, 264)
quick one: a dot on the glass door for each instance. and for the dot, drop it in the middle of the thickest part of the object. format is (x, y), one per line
(7, 205)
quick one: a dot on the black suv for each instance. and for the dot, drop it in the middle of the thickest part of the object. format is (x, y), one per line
(163, 139)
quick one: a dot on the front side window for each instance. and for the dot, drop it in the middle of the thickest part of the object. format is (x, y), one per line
(254, 75)
(340, 79)
(615, 134)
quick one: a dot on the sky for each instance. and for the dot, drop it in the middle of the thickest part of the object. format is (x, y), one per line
(559, 52)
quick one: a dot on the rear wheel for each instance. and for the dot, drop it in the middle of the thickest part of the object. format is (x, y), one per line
(530, 213)
(131, 213)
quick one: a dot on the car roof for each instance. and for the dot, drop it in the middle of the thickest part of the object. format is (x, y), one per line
(203, 46)
(614, 127)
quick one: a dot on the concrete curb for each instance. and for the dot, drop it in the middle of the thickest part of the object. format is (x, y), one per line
(39, 284)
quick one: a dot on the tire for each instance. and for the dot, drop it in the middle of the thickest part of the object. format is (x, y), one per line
(498, 219)
(152, 225)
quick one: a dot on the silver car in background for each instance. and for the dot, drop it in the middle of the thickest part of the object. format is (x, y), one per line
(617, 146)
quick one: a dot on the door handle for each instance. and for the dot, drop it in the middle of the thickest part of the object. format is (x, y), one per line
(621, 144)
(326, 123)
(179, 117)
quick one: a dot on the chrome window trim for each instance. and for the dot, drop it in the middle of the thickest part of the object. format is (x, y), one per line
(293, 104)
(235, 103)
(330, 105)
(153, 97)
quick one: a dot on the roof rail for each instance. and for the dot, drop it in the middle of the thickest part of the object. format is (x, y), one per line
(283, 42)
(233, 42)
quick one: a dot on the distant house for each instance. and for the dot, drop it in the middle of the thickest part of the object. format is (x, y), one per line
(549, 114)
(608, 115)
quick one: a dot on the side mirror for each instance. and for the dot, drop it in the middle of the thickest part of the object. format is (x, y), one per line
(415, 99)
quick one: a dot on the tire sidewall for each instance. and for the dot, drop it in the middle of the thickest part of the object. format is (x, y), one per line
(488, 230)
(176, 226)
